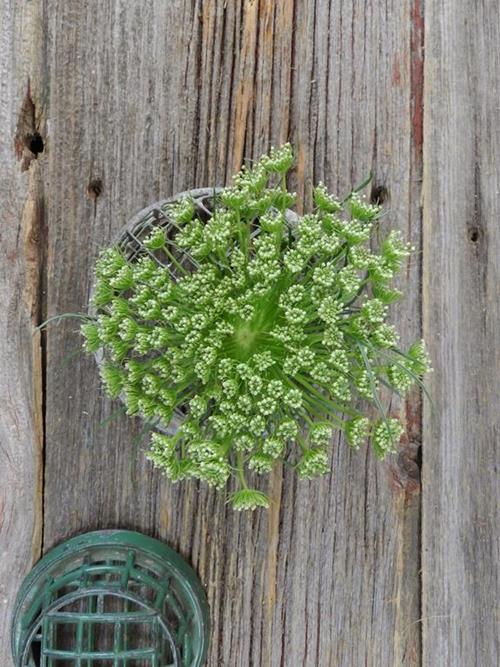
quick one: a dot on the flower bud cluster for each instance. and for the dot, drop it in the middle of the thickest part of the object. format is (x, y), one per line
(274, 336)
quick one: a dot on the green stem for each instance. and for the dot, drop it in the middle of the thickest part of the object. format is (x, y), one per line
(321, 397)
(302, 443)
(239, 467)
(57, 318)
(174, 261)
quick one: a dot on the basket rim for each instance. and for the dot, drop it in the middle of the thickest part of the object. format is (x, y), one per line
(113, 538)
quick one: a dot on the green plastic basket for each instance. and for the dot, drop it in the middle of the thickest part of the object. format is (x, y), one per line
(114, 598)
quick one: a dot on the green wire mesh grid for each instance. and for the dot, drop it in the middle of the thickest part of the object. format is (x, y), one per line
(114, 598)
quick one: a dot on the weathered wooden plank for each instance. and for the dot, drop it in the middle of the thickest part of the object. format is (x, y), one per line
(21, 249)
(461, 545)
(153, 99)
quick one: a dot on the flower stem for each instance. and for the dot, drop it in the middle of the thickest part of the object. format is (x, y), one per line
(174, 261)
(239, 468)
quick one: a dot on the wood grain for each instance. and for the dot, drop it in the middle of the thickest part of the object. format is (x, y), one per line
(153, 99)
(136, 101)
(21, 253)
(460, 612)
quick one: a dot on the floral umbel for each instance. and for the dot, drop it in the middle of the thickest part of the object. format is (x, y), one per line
(274, 337)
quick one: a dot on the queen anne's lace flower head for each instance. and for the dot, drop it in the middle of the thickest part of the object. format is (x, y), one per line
(274, 338)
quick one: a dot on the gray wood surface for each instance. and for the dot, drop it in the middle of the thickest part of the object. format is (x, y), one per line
(21, 254)
(136, 101)
(461, 517)
(157, 100)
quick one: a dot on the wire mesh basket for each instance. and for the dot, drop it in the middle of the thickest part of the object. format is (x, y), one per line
(114, 598)
(131, 242)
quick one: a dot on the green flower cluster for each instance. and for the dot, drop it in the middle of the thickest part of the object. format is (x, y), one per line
(275, 337)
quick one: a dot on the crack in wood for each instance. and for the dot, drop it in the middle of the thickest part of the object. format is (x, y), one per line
(28, 142)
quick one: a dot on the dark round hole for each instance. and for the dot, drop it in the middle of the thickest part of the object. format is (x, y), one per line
(378, 194)
(94, 188)
(474, 234)
(35, 143)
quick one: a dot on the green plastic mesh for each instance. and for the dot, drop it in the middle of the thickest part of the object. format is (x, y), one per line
(113, 598)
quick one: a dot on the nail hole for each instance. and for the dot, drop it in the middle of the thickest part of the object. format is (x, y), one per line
(35, 143)
(94, 188)
(474, 234)
(378, 194)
